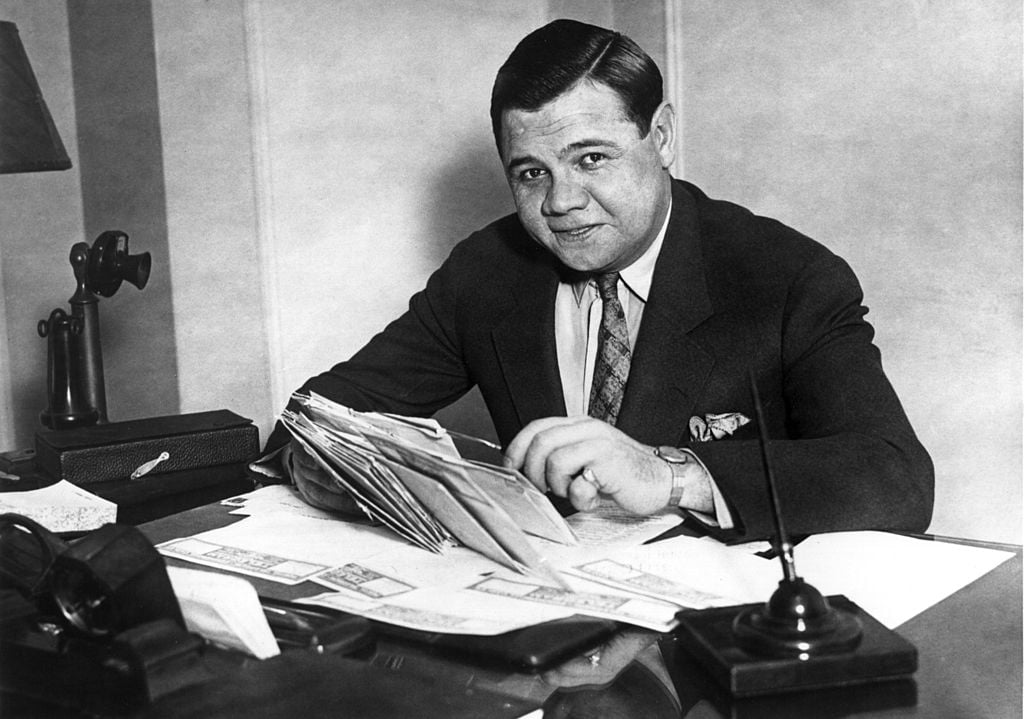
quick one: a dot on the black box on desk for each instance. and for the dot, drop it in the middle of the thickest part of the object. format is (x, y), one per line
(206, 457)
(106, 452)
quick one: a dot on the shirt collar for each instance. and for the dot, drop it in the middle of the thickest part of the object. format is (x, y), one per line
(637, 277)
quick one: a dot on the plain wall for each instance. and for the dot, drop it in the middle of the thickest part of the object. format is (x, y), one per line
(205, 104)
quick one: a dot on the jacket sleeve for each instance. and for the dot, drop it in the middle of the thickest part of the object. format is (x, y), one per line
(848, 458)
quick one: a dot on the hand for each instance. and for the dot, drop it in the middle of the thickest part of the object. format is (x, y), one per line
(584, 458)
(314, 484)
(603, 665)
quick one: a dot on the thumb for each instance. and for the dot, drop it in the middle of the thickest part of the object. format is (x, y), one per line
(584, 490)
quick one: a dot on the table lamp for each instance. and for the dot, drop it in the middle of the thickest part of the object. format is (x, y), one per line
(29, 141)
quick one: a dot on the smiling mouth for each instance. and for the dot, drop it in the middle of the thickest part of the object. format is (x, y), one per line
(575, 234)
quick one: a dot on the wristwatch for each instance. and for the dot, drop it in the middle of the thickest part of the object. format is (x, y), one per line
(676, 458)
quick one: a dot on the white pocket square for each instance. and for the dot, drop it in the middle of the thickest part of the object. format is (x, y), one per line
(715, 426)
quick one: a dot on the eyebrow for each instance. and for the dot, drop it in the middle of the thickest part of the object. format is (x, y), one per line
(570, 148)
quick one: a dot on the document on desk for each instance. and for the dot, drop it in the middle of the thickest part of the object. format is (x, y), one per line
(694, 573)
(892, 576)
(406, 473)
(291, 549)
(368, 570)
(502, 603)
(274, 498)
(223, 609)
(60, 507)
(371, 571)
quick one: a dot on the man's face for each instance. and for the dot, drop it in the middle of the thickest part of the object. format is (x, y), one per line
(585, 184)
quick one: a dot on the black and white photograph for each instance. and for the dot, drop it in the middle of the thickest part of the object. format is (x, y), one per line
(533, 359)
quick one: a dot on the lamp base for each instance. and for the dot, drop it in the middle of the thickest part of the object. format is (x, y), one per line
(708, 635)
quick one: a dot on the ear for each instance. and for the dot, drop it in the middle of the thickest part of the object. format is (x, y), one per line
(663, 133)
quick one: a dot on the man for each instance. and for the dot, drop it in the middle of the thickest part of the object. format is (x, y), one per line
(612, 323)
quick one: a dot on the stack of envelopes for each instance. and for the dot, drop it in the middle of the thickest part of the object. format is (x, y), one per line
(407, 473)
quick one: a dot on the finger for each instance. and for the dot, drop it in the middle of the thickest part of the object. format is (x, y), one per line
(553, 457)
(516, 451)
(625, 646)
(567, 465)
(583, 491)
(580, 672)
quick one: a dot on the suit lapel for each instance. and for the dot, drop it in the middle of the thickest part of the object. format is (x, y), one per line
(525, 346)
(669, 370)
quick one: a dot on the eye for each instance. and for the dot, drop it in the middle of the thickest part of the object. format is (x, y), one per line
(531, 173)
(593, 159)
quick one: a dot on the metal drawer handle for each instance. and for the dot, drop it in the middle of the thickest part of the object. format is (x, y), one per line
(143, 469)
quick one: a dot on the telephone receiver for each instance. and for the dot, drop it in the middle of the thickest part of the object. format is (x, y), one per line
(109, 263)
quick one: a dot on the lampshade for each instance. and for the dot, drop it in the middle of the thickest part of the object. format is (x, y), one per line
(29, 141)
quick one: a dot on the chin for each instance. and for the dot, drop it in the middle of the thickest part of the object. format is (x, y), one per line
(580, 264)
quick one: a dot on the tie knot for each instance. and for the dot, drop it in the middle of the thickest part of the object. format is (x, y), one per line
(606, 286)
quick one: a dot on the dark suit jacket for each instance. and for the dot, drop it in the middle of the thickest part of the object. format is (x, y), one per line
(731, 291)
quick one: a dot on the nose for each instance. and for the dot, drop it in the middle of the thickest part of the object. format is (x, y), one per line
(565, 193)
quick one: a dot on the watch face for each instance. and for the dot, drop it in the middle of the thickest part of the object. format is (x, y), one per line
(673, 454)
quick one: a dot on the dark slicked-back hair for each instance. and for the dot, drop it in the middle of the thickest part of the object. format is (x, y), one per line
(555, 58)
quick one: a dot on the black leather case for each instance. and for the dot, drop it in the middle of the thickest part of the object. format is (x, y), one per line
(113, 451)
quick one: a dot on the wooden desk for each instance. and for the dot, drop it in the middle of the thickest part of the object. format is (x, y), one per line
(969, 667)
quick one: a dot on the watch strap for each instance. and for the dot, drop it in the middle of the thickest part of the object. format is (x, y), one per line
(676, 459)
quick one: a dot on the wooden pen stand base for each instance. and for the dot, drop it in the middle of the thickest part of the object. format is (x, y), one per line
(707, 634)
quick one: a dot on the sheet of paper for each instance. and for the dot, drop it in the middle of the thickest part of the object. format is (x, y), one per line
(61, 507)
(610, 526)
(583, 597)
(459, 521)
(501, 603)
(445, 611)
(274, 498)
(606, 529)
(694, 573)
(531, 508)
(490, 515)
(398, 571)
(224, 610)
(291, 549)
(893, 577)
(271, 566)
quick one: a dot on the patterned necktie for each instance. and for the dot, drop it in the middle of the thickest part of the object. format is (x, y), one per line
(612, 367)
